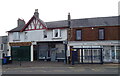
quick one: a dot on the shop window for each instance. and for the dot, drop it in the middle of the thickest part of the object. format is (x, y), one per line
(16, 36)
(118, 52)
(112, 52)
(56, 33)
(101, 34)
(78, 34)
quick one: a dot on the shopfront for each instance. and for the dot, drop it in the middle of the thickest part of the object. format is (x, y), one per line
(95, 51)
(87, 55)
(21, 51)
(95, 54)
(111, 53)
(50, 51)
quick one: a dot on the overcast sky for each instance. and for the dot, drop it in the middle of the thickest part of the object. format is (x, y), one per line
(53, 10)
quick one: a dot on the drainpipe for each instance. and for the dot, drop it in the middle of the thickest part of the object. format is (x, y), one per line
(65, 44)
(69, 27)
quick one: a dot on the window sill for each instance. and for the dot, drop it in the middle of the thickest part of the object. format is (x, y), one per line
(101, 39)
(16, 40)
(57, 38)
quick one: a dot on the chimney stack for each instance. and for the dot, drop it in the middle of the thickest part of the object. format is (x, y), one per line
(69, 19)
(20, 22)
(36, 14)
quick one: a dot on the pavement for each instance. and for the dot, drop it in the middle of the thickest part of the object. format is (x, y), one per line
(42, 67)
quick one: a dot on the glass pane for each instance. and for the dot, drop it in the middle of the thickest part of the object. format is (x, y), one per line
(107, 54)
(101, 33)
(43, 48)
(87, 56)
(56, 33)
(113, 54)
(117, 54)
(78, 34)
(118, 47)
(60, 51)
(96, 55)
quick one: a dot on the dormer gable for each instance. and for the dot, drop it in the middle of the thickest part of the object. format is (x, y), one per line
(34, 24)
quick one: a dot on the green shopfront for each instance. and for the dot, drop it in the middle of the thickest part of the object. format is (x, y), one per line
(21, 51)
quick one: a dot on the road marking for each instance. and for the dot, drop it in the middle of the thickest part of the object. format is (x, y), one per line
(71, 67)
(79, 70)
(59, 70)
(98, 69)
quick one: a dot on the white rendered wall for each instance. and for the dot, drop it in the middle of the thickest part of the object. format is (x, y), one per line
(37, 35)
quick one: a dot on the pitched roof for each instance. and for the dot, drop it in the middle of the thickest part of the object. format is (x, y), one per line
(17, 29)
(100, 21)
(87, 22)
(22, 27)
(57, 24)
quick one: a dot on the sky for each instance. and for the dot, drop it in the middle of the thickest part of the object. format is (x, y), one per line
(53, 10)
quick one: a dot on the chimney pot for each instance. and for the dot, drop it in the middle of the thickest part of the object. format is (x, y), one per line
(36, 10)
(36, 14)
(21, 22)
(69, 19)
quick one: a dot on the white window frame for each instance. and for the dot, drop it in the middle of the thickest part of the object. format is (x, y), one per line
(16, 36)
(59, 33)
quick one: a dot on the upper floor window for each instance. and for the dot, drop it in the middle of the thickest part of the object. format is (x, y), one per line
(16, 36)
(78, 34)
(45, 34)
(101, 34)
(25, 35)
(1, 47)
(56, 33)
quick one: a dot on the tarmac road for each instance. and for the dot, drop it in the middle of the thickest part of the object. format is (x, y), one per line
(59, 68)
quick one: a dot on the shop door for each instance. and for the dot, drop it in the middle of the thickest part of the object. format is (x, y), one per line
(75, 56)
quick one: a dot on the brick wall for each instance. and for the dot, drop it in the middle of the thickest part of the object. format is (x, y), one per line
(89, 34)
